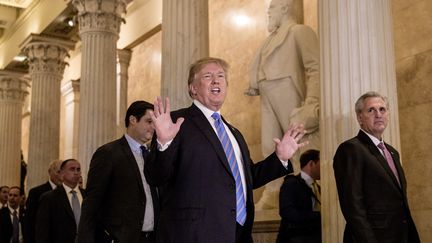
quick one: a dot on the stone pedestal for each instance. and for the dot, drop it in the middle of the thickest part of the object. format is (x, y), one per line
(124, 57)
(13, 89)
(357, 56)
(46, 57)
(71, 94)
(99, 25)
(185, 39)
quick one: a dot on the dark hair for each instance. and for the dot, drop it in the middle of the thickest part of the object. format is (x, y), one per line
(199, 64)
(63, 164)
(138, 110)
(311, 154)
(1, 187)
(21, 192)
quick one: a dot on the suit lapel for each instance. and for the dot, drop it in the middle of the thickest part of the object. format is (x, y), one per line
(203, 125)
(130, 159)
(61, 194)
(380, 158)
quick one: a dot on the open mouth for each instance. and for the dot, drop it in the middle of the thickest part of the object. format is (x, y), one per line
(215, 90)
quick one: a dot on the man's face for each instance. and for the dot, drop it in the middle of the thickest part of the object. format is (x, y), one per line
(210, 86)
(316, 170)
(4, 194)
(143, 129)
(14, 198)
(275, 13)
(71, 173)
(374, 117)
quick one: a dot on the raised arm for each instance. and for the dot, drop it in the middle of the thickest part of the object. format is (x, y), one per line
(165, 129)
(288, 145)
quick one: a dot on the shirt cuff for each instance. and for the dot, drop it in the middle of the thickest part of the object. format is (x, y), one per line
(163, 147)
(285, 163)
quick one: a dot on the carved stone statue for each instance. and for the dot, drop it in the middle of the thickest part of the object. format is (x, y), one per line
(285, 74)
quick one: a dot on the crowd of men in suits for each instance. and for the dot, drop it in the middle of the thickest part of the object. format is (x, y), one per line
(195, 184)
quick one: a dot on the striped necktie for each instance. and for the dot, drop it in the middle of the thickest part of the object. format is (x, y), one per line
(229, 152)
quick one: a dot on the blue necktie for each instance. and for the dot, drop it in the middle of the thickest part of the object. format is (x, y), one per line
(229, 152)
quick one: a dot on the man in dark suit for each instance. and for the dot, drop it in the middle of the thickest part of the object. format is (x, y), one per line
(59, 210)
(11, 218)
(206, 187)
(119, 204)
(4, 192)
(32, 202)
(370, 180)
(299, 205)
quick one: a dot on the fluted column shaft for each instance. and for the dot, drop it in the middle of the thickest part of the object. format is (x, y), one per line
(357, 56)
(99, 24)
(71, 94)
(185, 39)
(13, 90)
(124, 57)
(46, 61)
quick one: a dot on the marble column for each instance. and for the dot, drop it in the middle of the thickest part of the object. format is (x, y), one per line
(71, 94)
(13, 90)
(185, 39)
(99, 26)
(46, 57)
(124, 57)
(357, 56)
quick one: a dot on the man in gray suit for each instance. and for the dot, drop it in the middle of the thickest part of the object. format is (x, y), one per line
(285, 73)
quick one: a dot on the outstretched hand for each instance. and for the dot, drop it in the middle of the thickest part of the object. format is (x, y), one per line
(286, 148)
(165, 129)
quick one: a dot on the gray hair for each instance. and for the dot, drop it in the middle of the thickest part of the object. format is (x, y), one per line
(359, 105)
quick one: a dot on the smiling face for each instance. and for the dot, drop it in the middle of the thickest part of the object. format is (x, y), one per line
(210, 86)
(373, 117)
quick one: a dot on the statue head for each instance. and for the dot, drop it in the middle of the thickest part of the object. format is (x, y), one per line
(280, 11)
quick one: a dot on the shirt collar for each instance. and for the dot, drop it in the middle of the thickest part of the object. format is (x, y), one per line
(11, 210)
(133, 144)
(68, 189)
(309, 180)
(206, 111)
(53, 186)
(375, 140)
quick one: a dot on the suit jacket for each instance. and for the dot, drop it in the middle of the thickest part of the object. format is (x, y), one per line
(375, 207)
(296, 210)
(6, 227)
(55, 221)
(198, 196)
(32, 205)
(114, 205)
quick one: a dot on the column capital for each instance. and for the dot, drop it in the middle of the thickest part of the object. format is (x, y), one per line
(13, 86)
(97, 15)
(46, 54)
(124, 56)
(70, 86)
